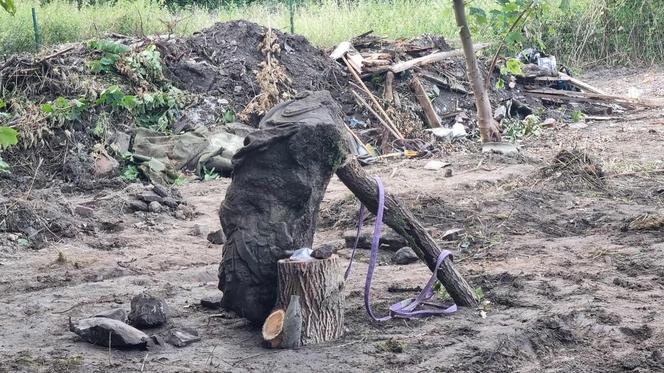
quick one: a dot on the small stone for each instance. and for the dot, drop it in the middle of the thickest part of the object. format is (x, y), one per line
(147, 311)
(323, 252)
(121, 142)
(448, 172)
(217, 237)
(105, 164)
(237, 89)
(136, 205)
(155, 207)
(213, 303)
(96, 330)
(549, 122)
(170, 202)
(179, 214)
(224, 101)
(161, 190)
(12, 237)
(84, 211)
(150, 196)
(405, 255)
(452, 234)
(390, 240)
(182, 337)
(200, 230)
(115, 314)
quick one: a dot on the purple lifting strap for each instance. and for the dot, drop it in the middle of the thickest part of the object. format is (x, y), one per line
(408, 308)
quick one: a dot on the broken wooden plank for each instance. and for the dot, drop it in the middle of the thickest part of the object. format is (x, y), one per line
(582, 85)
(594, 97)
(445, 82)
(431, 58)
(425, 103)
(388, 89)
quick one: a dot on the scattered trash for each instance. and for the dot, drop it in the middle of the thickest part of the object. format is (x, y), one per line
(101, 330)
(435, 165)
(458, 131)
(182, 337)
(301, 255)
(505, 148)
(147, 311)
(452, 234)
(405, 255)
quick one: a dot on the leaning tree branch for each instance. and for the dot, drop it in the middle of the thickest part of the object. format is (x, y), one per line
(402, 220)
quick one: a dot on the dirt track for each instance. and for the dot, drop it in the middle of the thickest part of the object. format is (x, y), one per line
(570, 290)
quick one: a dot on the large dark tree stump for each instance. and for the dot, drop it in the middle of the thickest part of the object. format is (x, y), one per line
(319, 285)
(404, 222)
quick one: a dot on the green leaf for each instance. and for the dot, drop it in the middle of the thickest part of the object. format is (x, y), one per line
(500, 83)
(479, 15)
(4, 167)
(3, 104)
(514, 37)
(129, 102)
(8, 137)
(46, 108)
(9, 6)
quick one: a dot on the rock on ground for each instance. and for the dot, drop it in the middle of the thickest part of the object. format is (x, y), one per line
(405, 255)
(147, 311)
(96, 330)
(182, 337)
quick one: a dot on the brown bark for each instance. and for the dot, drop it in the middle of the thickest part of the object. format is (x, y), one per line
(425, 103)
(404, 222)
(388, 94)
(319, 285)
(488, 128)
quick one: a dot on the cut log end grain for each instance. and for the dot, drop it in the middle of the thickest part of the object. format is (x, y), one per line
(273, 328)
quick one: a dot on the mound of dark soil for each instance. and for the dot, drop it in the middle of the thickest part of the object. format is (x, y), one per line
(223, 60)
(575, 168)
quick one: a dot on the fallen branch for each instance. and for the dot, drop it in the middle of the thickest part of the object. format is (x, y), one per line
(425, 103)
(364, 103)
(391, 126)
(404, 222)
(431, 58)
(593, 97)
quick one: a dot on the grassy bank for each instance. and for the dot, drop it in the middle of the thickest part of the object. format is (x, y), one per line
(591, 32)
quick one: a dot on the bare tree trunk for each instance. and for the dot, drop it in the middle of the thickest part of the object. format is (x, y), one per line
(488, 127)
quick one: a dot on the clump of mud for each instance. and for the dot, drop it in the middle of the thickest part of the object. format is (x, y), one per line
(574, 169)
(223, 60)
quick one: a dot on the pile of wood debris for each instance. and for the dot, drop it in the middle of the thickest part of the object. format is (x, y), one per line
(407, 90)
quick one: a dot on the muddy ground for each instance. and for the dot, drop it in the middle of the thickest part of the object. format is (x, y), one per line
(572, 285)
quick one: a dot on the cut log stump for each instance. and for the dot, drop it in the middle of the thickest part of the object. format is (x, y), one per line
(319, 286)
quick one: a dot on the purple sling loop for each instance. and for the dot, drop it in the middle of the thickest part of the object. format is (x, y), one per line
(408, 308)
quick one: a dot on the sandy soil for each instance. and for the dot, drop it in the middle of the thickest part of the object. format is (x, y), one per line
(570, 288)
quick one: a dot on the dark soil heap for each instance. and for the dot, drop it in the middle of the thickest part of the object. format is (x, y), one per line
(223, 61)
